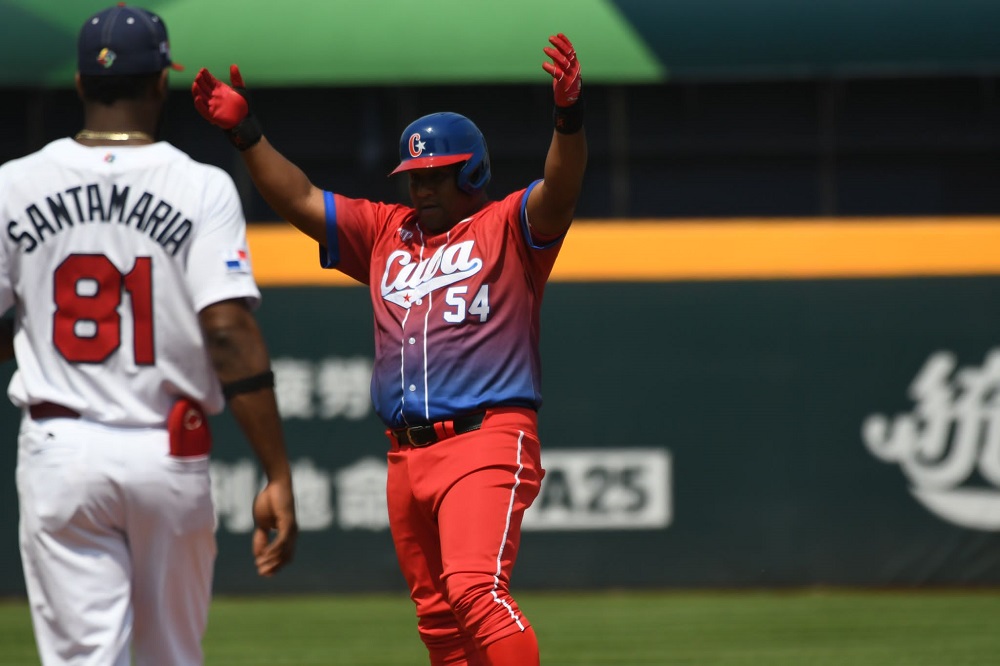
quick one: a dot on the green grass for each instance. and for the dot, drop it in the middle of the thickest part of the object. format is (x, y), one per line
(756, 628)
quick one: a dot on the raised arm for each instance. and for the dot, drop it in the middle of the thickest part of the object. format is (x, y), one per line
(282, 184)
(552, 203)
(241, 361)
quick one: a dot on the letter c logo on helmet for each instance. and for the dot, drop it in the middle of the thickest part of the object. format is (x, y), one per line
(416, 146)
(440, 139)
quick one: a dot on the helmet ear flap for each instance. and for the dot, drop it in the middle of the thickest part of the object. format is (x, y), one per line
(475, 174)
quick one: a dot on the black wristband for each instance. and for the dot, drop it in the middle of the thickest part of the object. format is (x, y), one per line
(248, 384)
(568, 119)
(246, 133)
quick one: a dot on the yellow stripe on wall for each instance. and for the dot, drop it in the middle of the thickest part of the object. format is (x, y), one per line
(738, 249)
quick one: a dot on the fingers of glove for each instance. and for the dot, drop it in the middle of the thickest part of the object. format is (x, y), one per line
(562, 43)
(556, 72)
(200, 103)
(203, 91)
(211, 100)
(204, 79)
(564, 69)
(558, 57)
(203, 84)
(235, 77)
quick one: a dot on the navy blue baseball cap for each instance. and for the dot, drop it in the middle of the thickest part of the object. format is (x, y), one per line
(123, 40)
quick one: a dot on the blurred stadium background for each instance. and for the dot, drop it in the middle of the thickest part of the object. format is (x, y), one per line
(771, 345)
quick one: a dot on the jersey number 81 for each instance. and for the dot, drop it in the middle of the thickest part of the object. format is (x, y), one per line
(88, 289)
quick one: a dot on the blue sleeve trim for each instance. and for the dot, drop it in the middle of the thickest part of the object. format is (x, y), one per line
(526, 229)
(329, 256)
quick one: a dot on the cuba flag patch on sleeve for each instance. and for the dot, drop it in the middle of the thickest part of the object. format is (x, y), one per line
(237, 261)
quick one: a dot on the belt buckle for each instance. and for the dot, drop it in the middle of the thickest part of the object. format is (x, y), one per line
(419, 428)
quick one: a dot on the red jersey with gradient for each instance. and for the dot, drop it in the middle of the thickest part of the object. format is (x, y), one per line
(456, 313)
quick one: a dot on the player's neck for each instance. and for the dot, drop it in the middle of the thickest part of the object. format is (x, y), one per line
(91, 137)
(475, 204)
(117, 125)
(433, 229)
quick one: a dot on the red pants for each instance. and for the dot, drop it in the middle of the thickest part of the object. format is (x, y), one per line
(455, 510)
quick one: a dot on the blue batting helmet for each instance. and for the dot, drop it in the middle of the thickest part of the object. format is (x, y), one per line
(440, 139)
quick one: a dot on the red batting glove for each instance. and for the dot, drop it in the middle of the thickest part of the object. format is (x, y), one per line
(226, 106)
(565, 70)
(218, 103)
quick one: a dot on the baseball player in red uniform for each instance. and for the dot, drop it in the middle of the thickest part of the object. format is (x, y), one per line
(125, 264)
(456, 284)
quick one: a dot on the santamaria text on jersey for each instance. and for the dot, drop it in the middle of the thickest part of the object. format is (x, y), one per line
(83, 204)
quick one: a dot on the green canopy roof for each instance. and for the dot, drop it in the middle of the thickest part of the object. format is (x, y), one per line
(409, 42)
(338, 42)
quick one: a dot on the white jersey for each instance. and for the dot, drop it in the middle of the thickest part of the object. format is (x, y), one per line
(108, 253)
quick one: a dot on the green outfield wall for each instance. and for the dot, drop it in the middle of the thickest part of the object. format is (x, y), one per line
(765, 432)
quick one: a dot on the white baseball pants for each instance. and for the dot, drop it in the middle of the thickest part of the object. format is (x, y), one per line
(117, 543)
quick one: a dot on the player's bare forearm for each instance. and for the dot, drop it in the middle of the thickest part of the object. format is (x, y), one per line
(552, 203)
(6, 339)
(257, 414)
(238, 354)
(275, 524)
(258, 418)
(237, 350)
(234, 341)
(287, 189)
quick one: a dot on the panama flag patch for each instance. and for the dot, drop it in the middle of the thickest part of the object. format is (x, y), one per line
(238, 261)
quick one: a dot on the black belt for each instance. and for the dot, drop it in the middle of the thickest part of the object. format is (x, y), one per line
(50, 410)
(425, 435)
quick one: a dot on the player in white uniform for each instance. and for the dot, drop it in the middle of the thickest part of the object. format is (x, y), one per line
(124, 266)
